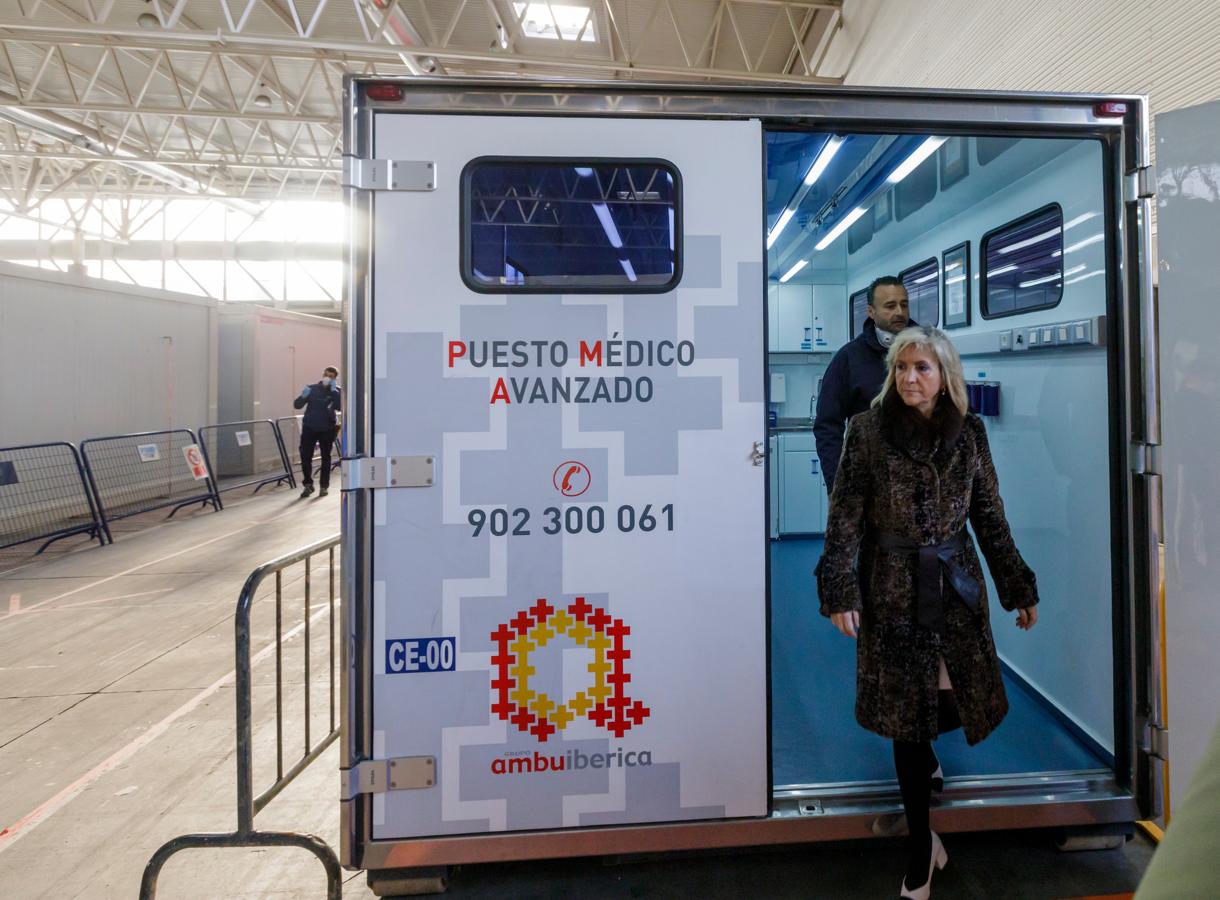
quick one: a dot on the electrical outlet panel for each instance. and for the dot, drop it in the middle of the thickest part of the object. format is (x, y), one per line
(1074, 333)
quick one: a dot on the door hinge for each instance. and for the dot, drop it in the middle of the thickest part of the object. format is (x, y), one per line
(376, 776)
(1146, 459)
(388, 472)
(1156, 742)
(389, 174)
(1139, 184)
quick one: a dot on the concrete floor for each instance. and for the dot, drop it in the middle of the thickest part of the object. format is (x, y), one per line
(116, 734)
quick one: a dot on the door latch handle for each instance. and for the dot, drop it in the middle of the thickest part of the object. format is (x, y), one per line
(758, 454)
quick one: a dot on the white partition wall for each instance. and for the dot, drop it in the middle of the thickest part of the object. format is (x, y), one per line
(267, 355)
(1189, 216)
(84, 357)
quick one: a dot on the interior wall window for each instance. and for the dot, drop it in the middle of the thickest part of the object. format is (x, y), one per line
(859, 311)
(571, 225)
(988, 148)
(916, 189)
(860, 232)
(1022, 266)
(923, 290)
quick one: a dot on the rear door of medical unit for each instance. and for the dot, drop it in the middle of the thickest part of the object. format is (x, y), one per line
(568, 579)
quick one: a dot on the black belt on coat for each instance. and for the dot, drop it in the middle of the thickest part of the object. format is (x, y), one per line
(929, 605)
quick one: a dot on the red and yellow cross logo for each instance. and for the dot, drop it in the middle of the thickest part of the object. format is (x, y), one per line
(605, 703)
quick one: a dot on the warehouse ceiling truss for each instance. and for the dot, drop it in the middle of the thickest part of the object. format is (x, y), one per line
(238, 101)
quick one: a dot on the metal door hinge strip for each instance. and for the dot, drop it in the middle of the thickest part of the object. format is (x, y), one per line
(376, 776)
(389, 174)
(388, 472)
(1146, 459)
(1156, 742)
(1139, 185)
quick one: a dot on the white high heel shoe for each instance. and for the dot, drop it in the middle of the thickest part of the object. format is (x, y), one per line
(939, 858)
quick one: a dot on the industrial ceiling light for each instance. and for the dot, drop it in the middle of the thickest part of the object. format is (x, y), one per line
(148, 20)
(262, 101)
(911, 163)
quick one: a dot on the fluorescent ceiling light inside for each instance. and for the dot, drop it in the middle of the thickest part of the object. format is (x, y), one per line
(1028, 242)
(1092, 274)
(584, 173)
(1049, 278)
(607, 220)
(922, 152)
(925, 278)
(819, 165)
(1002, 269)
(1072, 223)
(1085, 243)
(800, 265)
(956, 279)
(783, 220)
(843, 225)
(553, 22)
(628, 268)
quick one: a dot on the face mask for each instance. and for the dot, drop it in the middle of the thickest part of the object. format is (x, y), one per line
(327, 380)
(885, 337)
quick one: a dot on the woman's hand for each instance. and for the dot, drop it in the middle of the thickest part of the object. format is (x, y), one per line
(1027, 618)
(846, 622)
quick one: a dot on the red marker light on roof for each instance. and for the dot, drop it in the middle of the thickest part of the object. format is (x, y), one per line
(1110, 109)
(384, 91)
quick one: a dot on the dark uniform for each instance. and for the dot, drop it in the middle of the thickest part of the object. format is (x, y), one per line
(853, 378)
(321, 402)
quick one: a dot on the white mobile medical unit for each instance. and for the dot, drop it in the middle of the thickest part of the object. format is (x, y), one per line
(570, 629)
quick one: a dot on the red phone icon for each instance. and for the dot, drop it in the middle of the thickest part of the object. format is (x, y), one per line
(571, 478)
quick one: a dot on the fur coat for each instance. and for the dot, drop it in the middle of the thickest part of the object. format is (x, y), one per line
(921, 480)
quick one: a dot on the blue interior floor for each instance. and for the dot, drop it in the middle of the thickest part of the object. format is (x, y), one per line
(814, 735)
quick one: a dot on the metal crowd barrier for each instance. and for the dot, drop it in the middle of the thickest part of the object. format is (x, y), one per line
(290, 435)
(135, 473)
(45, 495)
(249, 805)
(241, 454)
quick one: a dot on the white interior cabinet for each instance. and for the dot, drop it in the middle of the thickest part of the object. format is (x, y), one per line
(773, 504)
(789, 318)
(801, 491)
(796, 312)
(829, 306)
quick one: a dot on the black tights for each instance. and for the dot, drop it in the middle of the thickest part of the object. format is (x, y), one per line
(915, 762)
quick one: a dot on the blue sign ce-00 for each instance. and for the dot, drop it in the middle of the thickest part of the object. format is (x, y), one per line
(406, 656)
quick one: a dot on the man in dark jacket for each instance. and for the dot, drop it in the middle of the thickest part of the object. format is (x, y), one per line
(856, 373)
(321, 401)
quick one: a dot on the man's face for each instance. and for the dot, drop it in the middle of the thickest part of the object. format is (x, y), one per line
(890, 308)
(328, 377)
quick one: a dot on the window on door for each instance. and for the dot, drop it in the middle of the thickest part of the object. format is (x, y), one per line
(571, 225)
